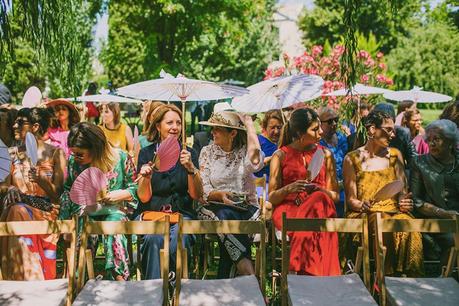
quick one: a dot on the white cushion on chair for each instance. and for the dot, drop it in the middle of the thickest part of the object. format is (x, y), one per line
(328, 290)
(33, 293)
(240, 291)
(104, 292)
(422, 291)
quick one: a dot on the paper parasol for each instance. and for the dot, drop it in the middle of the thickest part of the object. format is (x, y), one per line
(316, 163)
(389, 191)
(31, 148)
(87, 185)
(5, 161)
(167, 154)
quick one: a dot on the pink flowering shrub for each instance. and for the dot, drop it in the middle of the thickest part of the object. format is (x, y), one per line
(370, 70)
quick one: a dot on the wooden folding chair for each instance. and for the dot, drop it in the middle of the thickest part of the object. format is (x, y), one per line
(105, 292)
(417, 291)
(46, 292)
(244, 290)
(327, 290)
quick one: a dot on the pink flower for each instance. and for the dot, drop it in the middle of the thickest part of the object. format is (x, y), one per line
(382, 66)
(308, 59)
(363, 54)
(381, 78)
(369, 62)
(389, 81)
(379, 55)
(268, 74)
(317, 50)
(364, 78)
(338, 50)
(279, 71)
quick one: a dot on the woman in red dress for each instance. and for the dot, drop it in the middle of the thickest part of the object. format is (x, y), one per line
(311, 253)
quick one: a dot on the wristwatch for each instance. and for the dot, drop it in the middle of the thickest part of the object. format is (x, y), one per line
(193, 172)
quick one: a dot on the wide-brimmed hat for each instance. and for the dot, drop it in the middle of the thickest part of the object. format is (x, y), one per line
(72, 108)
(225, 116)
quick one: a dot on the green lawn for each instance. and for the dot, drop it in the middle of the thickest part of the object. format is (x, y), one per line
(429, 115)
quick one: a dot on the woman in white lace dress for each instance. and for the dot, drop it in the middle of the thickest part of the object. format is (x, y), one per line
(227, 168)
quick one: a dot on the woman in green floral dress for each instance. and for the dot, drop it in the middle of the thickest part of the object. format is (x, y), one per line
(90, 148)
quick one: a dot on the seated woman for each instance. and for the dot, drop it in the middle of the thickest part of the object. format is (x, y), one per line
(66, 116)
(368, 169)
(227, 168)
(118, 134)
(90, 148)
(33, 195)
(291, 192)
(147, 116)
(412, 120)
(434, 179)
(172, 191)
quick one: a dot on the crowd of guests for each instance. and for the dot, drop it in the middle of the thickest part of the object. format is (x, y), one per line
(218, 183)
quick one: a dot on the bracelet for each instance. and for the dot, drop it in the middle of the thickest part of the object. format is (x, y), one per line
(194, 172)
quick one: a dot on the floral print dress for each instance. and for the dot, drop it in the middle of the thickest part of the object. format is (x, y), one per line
(121, 177)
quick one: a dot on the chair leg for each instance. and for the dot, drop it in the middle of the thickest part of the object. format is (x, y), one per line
(138, 261)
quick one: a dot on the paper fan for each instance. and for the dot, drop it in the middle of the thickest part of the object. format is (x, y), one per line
(87, 185)
(136, 138)
(5, 161)
(31, 148)
(315, 164)
(167, 154)
(389, 190)
(32, 97)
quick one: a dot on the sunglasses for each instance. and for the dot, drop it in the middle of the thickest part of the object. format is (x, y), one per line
(21, 122)
(388, 131)
(78, 155)
(330, 121)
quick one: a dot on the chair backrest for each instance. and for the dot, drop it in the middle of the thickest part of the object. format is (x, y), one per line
(336, 225)
(125, 228)
(219, 227)
(20, 228)
(412, 226)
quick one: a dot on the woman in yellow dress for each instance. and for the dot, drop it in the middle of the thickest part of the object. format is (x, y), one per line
(366, 171)
(118, 134)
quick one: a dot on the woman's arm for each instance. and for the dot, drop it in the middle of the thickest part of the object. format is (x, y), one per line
(129, 140)
(54, 188)
(331, 189)
(145, 170)
(350, 186)
(253, 144)
(405, 201)
(195, 189)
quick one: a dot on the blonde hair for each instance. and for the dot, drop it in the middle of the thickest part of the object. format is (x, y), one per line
(85, 135)
(156, 117)
(149, 117)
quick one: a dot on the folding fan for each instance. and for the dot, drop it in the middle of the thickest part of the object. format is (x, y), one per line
(136, 144)
(32, 97)
(389, 190)
(315, 164)
(167, 154)
(31, 148)
(87, 185)
(5, 161)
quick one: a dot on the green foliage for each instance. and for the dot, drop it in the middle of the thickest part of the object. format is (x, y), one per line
(428, 58)
(387, 20)
(215, 40)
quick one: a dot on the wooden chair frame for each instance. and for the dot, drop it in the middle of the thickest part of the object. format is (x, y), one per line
(20, 228)
(126, 228)
(218, 227)
(413, 226)
(336, 225)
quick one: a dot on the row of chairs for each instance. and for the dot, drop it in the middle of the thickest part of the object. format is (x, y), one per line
(247, 290)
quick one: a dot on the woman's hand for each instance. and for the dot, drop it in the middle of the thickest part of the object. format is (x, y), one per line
(185, 160)
(34, 176)
(115, 196)
(146, 170)
(405, 203)
(13, 196)
(364, 206)
(226, 197)
(297, 186)
(246, 119)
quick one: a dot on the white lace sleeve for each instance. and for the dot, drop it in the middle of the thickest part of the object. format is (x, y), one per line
(257, 167)
(205, 171)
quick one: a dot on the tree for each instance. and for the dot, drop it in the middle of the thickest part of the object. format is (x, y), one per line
(213, 39)
(428, 57)
(387, 20)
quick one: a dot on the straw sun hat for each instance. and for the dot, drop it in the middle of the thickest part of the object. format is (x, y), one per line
(224, 116)
(72, 108)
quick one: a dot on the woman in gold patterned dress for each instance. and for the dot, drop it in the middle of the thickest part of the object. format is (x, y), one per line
(366, 171)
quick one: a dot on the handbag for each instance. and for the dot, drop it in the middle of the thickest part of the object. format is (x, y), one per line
(159, 216)
(41, 203)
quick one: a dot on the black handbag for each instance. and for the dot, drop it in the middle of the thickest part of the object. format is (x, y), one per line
(38, 202)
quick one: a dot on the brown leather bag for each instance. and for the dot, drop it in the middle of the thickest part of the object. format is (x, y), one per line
(160, 216)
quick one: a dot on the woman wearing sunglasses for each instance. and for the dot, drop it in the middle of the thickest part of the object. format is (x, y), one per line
(66, 115)
(367, 170)
(90, 148)
(33, 195)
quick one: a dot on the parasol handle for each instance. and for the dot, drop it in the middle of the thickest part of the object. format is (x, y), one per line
(183, 123)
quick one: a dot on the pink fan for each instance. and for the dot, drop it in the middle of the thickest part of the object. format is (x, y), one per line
(389, 191)
(167, 154)
(316, 163)
(87, 185)
(32, 97)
